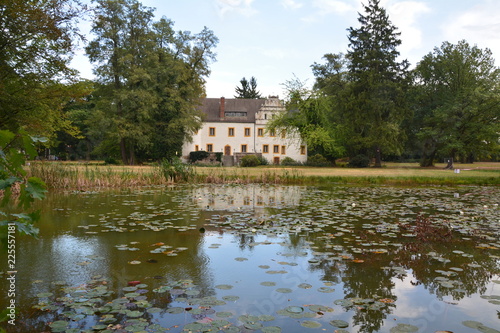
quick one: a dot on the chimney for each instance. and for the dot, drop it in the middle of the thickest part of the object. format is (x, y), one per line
(222, 105)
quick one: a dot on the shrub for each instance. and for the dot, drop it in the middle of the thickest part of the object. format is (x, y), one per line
(249, 161)
(317, 160)
(111, 160)
(359, 161)
(288, 161)
(200, 155)
(262, 160)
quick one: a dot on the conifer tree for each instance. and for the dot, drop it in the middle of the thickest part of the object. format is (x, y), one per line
(375, 104)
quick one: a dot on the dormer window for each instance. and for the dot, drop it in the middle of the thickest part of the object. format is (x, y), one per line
(235, 114)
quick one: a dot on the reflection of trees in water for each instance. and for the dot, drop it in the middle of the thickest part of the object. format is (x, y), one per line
(425, 267)
(366, 280)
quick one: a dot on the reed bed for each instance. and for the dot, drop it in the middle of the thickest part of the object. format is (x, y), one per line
(75, 177)
(82, 177)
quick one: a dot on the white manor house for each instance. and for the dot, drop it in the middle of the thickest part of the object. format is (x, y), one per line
(237, 127)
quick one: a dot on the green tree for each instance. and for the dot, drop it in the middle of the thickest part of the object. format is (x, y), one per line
(121, 50)
(36, 45)
(13, 148)
(457, 103)
(151, 79)
(183, 63)
(374, 105)
(248, 89)
(309, 116)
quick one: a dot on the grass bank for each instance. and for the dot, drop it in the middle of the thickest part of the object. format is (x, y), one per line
(84, 176)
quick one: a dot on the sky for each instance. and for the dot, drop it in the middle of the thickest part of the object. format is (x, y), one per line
(278, 40)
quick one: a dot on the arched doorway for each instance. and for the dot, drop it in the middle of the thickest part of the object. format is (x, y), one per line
(227, 150)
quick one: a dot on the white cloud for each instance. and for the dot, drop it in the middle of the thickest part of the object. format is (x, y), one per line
(478, 25)
(291, 4)
(327, 7)
(243, 7)
(333, 6)
(404, 16)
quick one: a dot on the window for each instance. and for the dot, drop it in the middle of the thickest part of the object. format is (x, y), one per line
(283, 134)
(230, 131)
(302, 150)
(246, 201)
(265, 149)
(210, 147)
(260, 132)
(260, 201)
(211, 131)
(247, 131)
(276, 149)
(235, 114)
(196, 148)
(272, 133)
(265, 115)
(283, 150)
(243, 148)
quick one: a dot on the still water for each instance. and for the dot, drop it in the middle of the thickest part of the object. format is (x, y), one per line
(260, 258)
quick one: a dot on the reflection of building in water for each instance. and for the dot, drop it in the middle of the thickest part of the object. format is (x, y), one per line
(249, 196)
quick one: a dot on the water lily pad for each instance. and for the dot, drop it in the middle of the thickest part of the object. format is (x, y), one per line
(326, 290)
(310, 324)
(175, 310)
(400, 328)
(44, 295)
(154, 310)
(284, 290)
(271, 329)
(253, 325)
(294, 309)
(224, 286)
(241, 259)
(320, 308)
(264, 266)
(99, 327)
(230, 298)
(248, 318)
(266, 318)
(339, 323)
(268, 283)
(224, 314)
(193, 327)
(305, 286)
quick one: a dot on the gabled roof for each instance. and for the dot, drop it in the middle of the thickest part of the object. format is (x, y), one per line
(211, 108)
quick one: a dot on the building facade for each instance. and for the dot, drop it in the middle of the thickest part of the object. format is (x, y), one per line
(237, 127)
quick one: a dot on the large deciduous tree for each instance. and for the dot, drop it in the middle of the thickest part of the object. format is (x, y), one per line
(309, 115)
(457, 103)
(36, 45)
(151, 79)
(375, 104)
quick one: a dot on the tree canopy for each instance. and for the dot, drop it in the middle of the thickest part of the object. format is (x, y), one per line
(457, 103)
(375, 101)
(248, 89)
(151, 79)
(37, 39)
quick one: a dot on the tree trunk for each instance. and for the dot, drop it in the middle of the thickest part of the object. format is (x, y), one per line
(132, 155)
(470, 158)
(123, 150)
(428, 159)
(378, 158)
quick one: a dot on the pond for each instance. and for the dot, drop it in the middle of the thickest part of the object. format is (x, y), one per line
(262, 258)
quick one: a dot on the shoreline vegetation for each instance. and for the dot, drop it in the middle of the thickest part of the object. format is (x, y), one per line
(85, 176)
